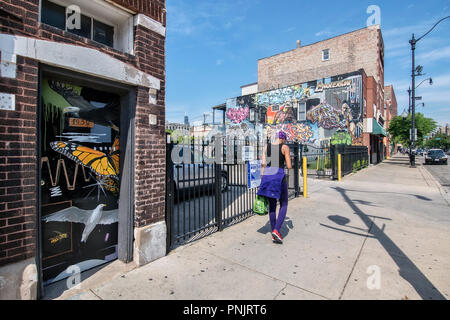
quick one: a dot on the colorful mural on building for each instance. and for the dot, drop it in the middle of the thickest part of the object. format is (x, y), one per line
(309, 113)
(237, 116)
(80, 177)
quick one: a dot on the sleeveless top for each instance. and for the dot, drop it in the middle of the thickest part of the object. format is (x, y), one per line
(281, 163)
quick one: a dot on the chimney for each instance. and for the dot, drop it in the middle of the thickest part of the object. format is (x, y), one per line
(299, 43)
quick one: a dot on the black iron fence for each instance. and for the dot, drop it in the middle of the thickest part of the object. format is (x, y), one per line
(353, 158)
(208, 187)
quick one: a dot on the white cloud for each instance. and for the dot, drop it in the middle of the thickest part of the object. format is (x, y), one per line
(436, 54)
(219, 62)
(322, 33)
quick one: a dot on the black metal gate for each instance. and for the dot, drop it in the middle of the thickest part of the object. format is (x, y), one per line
(203, 195)
(319, 160)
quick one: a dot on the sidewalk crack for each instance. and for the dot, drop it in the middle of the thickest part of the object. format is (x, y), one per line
(285, 286)
(356, 260)
(95, 294)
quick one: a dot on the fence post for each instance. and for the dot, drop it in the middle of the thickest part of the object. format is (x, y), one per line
(333, 161)
(218, 195)
(296, 171)
(305, 176)
(339, 167)
(169, 193)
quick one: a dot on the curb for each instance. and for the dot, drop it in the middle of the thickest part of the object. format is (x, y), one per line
(428, 176)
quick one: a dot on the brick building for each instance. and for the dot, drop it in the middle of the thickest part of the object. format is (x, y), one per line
(82, 142)
(390, 106)
(341, 78)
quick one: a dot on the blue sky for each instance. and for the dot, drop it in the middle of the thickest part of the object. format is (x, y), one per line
(213, 46)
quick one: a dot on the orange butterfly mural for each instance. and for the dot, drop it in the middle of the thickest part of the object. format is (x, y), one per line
(100, 163)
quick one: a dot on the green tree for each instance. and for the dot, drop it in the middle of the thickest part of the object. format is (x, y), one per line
(399, 129)
(439, 141)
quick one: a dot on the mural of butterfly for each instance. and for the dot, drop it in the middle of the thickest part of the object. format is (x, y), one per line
(100, 163)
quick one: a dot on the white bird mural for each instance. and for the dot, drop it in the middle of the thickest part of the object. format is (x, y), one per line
(90, 218)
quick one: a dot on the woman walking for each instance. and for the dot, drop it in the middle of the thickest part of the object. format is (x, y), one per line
(274, 184)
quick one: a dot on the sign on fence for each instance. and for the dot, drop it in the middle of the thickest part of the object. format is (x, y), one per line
(248, 153)
(254, 174)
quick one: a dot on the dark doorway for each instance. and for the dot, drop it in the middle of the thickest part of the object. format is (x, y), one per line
(85, 178)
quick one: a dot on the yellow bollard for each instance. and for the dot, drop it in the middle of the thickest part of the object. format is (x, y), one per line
(318, 160)
(305, 175)
(339, 167)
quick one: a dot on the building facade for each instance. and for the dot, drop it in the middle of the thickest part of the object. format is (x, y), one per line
(82, 138)
(390, 107)
(332, 87)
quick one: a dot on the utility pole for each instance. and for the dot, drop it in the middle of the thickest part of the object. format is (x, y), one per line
(413, 42)
(413, 102)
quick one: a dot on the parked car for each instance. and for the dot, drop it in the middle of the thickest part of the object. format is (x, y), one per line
(436, 156)
(196, 172)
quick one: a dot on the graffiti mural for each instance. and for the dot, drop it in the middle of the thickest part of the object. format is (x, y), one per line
(80, 177)
(295, 132)
(282, 95)
(237, 116)
(310, 113)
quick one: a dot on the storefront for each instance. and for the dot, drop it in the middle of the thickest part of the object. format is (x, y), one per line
(377, 147)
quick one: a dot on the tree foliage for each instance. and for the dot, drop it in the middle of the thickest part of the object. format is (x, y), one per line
(439, 141)
(399, 129)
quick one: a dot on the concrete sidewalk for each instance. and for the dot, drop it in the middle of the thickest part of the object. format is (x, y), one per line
(382, 233)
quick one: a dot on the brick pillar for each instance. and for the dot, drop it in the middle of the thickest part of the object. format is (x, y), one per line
(150, 228)
(18, 171)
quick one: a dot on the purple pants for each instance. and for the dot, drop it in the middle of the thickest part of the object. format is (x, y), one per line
(274, 222)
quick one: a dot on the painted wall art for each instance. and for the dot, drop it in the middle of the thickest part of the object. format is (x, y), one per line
(80, 177)
(237, 116)
(309, 113)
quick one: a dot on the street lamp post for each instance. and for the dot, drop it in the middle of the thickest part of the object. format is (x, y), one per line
(413, 42)
(409, 100)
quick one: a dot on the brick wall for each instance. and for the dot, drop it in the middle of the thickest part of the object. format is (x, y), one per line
(18, 165)
(155, 9)
(18, 129)
(361, 49)
(150, 140)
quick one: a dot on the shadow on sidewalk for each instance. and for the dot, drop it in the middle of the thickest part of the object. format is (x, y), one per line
(418, 196)
(407, 269)
(285, 227)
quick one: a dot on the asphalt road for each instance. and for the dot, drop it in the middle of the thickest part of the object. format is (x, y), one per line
(440, 172)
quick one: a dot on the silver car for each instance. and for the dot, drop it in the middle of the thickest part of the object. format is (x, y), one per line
(195, 171)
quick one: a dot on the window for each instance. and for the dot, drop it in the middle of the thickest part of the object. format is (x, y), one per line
(326, 55)
(55, 15)
(86, 26)
(103, 33)
(301, 111)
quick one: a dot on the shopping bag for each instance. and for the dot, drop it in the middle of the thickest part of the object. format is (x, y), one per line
(260, 205)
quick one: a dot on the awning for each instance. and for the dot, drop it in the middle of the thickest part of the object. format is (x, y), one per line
(377, 129)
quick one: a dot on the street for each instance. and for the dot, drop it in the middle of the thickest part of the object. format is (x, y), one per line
(381, 233)
(441, 173)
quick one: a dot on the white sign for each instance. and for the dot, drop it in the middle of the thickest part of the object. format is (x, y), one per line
(248, 153)
(7, 101)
